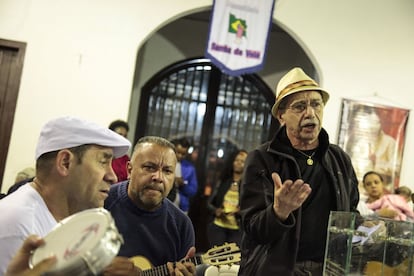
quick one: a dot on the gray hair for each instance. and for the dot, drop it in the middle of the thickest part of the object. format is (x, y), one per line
(155, 140)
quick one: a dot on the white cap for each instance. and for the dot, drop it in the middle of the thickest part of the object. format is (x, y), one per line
(67, 132)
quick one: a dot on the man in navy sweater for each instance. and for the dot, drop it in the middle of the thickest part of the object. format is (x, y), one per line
(155, 231)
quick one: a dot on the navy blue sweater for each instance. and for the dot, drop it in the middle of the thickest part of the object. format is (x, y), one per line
(161, 236)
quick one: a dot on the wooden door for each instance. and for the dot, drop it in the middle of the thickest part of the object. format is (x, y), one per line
(11, 66)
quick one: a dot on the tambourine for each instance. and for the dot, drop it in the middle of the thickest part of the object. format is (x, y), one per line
(83, 243)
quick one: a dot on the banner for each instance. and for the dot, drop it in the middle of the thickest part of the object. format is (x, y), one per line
(373, 135)
(238, 35)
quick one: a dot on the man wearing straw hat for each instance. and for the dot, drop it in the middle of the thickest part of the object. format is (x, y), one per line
(290, 185)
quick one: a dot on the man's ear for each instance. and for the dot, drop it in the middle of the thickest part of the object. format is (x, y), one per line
(129, 169)
(63, 159)
(280, 117)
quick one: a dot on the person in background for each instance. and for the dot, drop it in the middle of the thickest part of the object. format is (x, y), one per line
(186, 178)
(19, 265)
(155, 231)
(291, 184)
(24, 176)
(73, 173)
(120, 164)
(224, 202)
(377, 200)
(405, 192)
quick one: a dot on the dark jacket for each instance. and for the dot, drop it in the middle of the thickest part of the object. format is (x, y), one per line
(269, 246)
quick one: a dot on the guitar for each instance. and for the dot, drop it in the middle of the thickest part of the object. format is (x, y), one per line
(226, 254)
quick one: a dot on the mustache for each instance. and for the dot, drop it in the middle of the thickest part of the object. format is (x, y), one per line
(309, 123)
(155, 186)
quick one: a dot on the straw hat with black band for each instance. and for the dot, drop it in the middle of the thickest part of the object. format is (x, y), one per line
(293, 82)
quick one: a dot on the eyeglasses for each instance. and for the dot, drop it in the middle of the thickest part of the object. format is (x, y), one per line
(299, 107)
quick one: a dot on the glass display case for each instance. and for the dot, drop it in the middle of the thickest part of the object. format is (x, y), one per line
(368, 246)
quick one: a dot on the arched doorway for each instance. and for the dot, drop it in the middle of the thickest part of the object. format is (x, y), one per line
(170, 45)
(217, 112)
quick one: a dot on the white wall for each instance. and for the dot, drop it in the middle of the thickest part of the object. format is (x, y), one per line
(80, 57)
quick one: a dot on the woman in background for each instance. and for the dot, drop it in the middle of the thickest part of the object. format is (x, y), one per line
(224, 202)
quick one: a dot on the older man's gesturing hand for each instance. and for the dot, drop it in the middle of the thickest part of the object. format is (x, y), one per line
(288, 196)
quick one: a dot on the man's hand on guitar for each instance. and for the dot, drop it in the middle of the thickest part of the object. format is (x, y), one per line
(226, 254)
(121, 266)
(183, 268)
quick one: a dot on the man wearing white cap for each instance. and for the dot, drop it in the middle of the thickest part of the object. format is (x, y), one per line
(73, 173)
(291, 183)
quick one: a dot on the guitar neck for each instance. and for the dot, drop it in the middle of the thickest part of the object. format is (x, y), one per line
(162, 270)
(226, 254)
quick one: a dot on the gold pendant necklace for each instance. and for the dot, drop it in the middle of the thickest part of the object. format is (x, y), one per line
(309, 161)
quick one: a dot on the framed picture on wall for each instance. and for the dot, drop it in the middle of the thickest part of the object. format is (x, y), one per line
(373, 135)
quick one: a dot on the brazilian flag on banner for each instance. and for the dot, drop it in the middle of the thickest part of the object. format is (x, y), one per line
(235, 24)
(238, 35)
